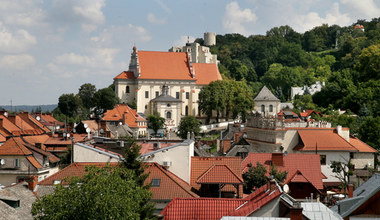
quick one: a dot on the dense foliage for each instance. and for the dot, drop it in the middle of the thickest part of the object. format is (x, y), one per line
(156, 122)
(101, 193)
(188, 124)
(347, 59)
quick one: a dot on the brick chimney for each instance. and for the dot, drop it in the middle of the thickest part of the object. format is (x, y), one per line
(278, 159)
(32, 182)
(12, 118)
(296, 211)
(350, 190)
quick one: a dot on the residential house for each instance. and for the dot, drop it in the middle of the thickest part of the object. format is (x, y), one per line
(124, 115)
(306, 115)
(149, 70)
(316, 87)
(364, 203)
(20, 160)
(217, 176)
(49, 121)
(304, 175)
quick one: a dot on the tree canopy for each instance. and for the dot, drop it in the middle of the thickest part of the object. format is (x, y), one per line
(101, 193)
(156, 122)
(188, 124)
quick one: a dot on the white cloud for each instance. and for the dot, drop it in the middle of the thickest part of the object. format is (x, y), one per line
(163, 6)
(87, 13)
(363, 9)
(183, 40)
(15, 42)
(22, 12)
(16, 62)
(235, 18)
(154, 20)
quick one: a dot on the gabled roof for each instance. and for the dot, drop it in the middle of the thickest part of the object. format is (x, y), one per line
(362, 194)
(172, 66)
(33, 122)
(322, 140)
(8, 128)
(200, 208)
(199, 165)
(48, 119)
(219, 174)
(301, 167)
(123, 113)
(34, 162)
(307, 113)
(14, 147)
(265, 95)
(165, 98)
(171, 186)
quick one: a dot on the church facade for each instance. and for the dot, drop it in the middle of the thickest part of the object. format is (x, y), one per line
(149, 71)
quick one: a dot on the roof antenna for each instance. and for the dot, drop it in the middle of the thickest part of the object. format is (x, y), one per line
(188, 39)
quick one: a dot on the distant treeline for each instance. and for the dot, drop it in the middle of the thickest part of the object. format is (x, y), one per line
(30, 108)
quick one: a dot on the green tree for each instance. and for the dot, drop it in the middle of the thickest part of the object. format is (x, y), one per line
(86, 94)
(156, 122)
(188, 124)
(342, 171)
(68, 104)
(101, 193)
(369, 131)
(105, 99)
(369, 63)
(279, 176)
(254, 178)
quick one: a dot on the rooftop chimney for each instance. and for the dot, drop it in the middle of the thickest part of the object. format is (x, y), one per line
(32, 182)
(12, 118)
(278, 159)
(350, 191)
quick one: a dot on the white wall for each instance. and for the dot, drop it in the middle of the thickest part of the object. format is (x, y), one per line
(83, 154)
(180, 156)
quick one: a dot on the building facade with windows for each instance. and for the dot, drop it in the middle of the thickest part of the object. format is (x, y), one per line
(266, 103)
(150, 70)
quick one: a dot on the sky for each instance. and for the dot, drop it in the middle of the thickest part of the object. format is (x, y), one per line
(50, 48)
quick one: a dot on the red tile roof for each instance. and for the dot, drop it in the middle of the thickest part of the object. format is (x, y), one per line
(219, 174)
(48, 119)
(323, 140)
(7, 127)
(171, 186)
(308, 165)
(36, 139)
(199, 165)
(361, 146)
(308, 113)
(33, 122)
(34, 162)
(206, 73)
(13, 147)
(172, 66)
(74, 169)
(149, 146)
(200, 208)
(125, 114)
(215, 208)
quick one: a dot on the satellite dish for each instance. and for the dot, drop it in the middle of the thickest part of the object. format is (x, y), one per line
(120, 123)
(2, 162)
(85, 125)
(286, 188)
(5, 114)
(38, 118)
(68, 135)
(88, 130)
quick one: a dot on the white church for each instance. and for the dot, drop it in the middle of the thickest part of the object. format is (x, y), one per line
(183, 73)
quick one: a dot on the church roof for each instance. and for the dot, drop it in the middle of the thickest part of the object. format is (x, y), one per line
(265, 95)
(165, 98)
(172, 66)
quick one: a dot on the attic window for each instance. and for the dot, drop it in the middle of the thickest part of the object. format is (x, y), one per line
(156, 182)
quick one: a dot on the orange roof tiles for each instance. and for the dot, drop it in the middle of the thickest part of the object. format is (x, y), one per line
(172, 66)
(14, 147)
(219, 174)
(34, 162)
(124, 113)
(48, 119)
(36, 139)
(164, 65)
(199, 165)
(206, 73)
(308, 113)
(171, 186)
(74, 169)
(323, 140)
(361, 146)
(307, 164)
(200, 208)
(33, 122)
(8, 127)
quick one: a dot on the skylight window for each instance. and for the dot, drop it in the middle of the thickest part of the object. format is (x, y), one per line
(156, 182)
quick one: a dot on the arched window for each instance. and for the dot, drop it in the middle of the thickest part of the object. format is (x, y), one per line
(168, 115)
(262, 108)
(187, 110)
(270, 108)
(127, 89)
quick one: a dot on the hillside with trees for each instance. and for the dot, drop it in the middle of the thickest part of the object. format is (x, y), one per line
(347, 59)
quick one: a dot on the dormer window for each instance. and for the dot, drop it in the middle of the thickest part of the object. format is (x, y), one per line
(156, 182)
